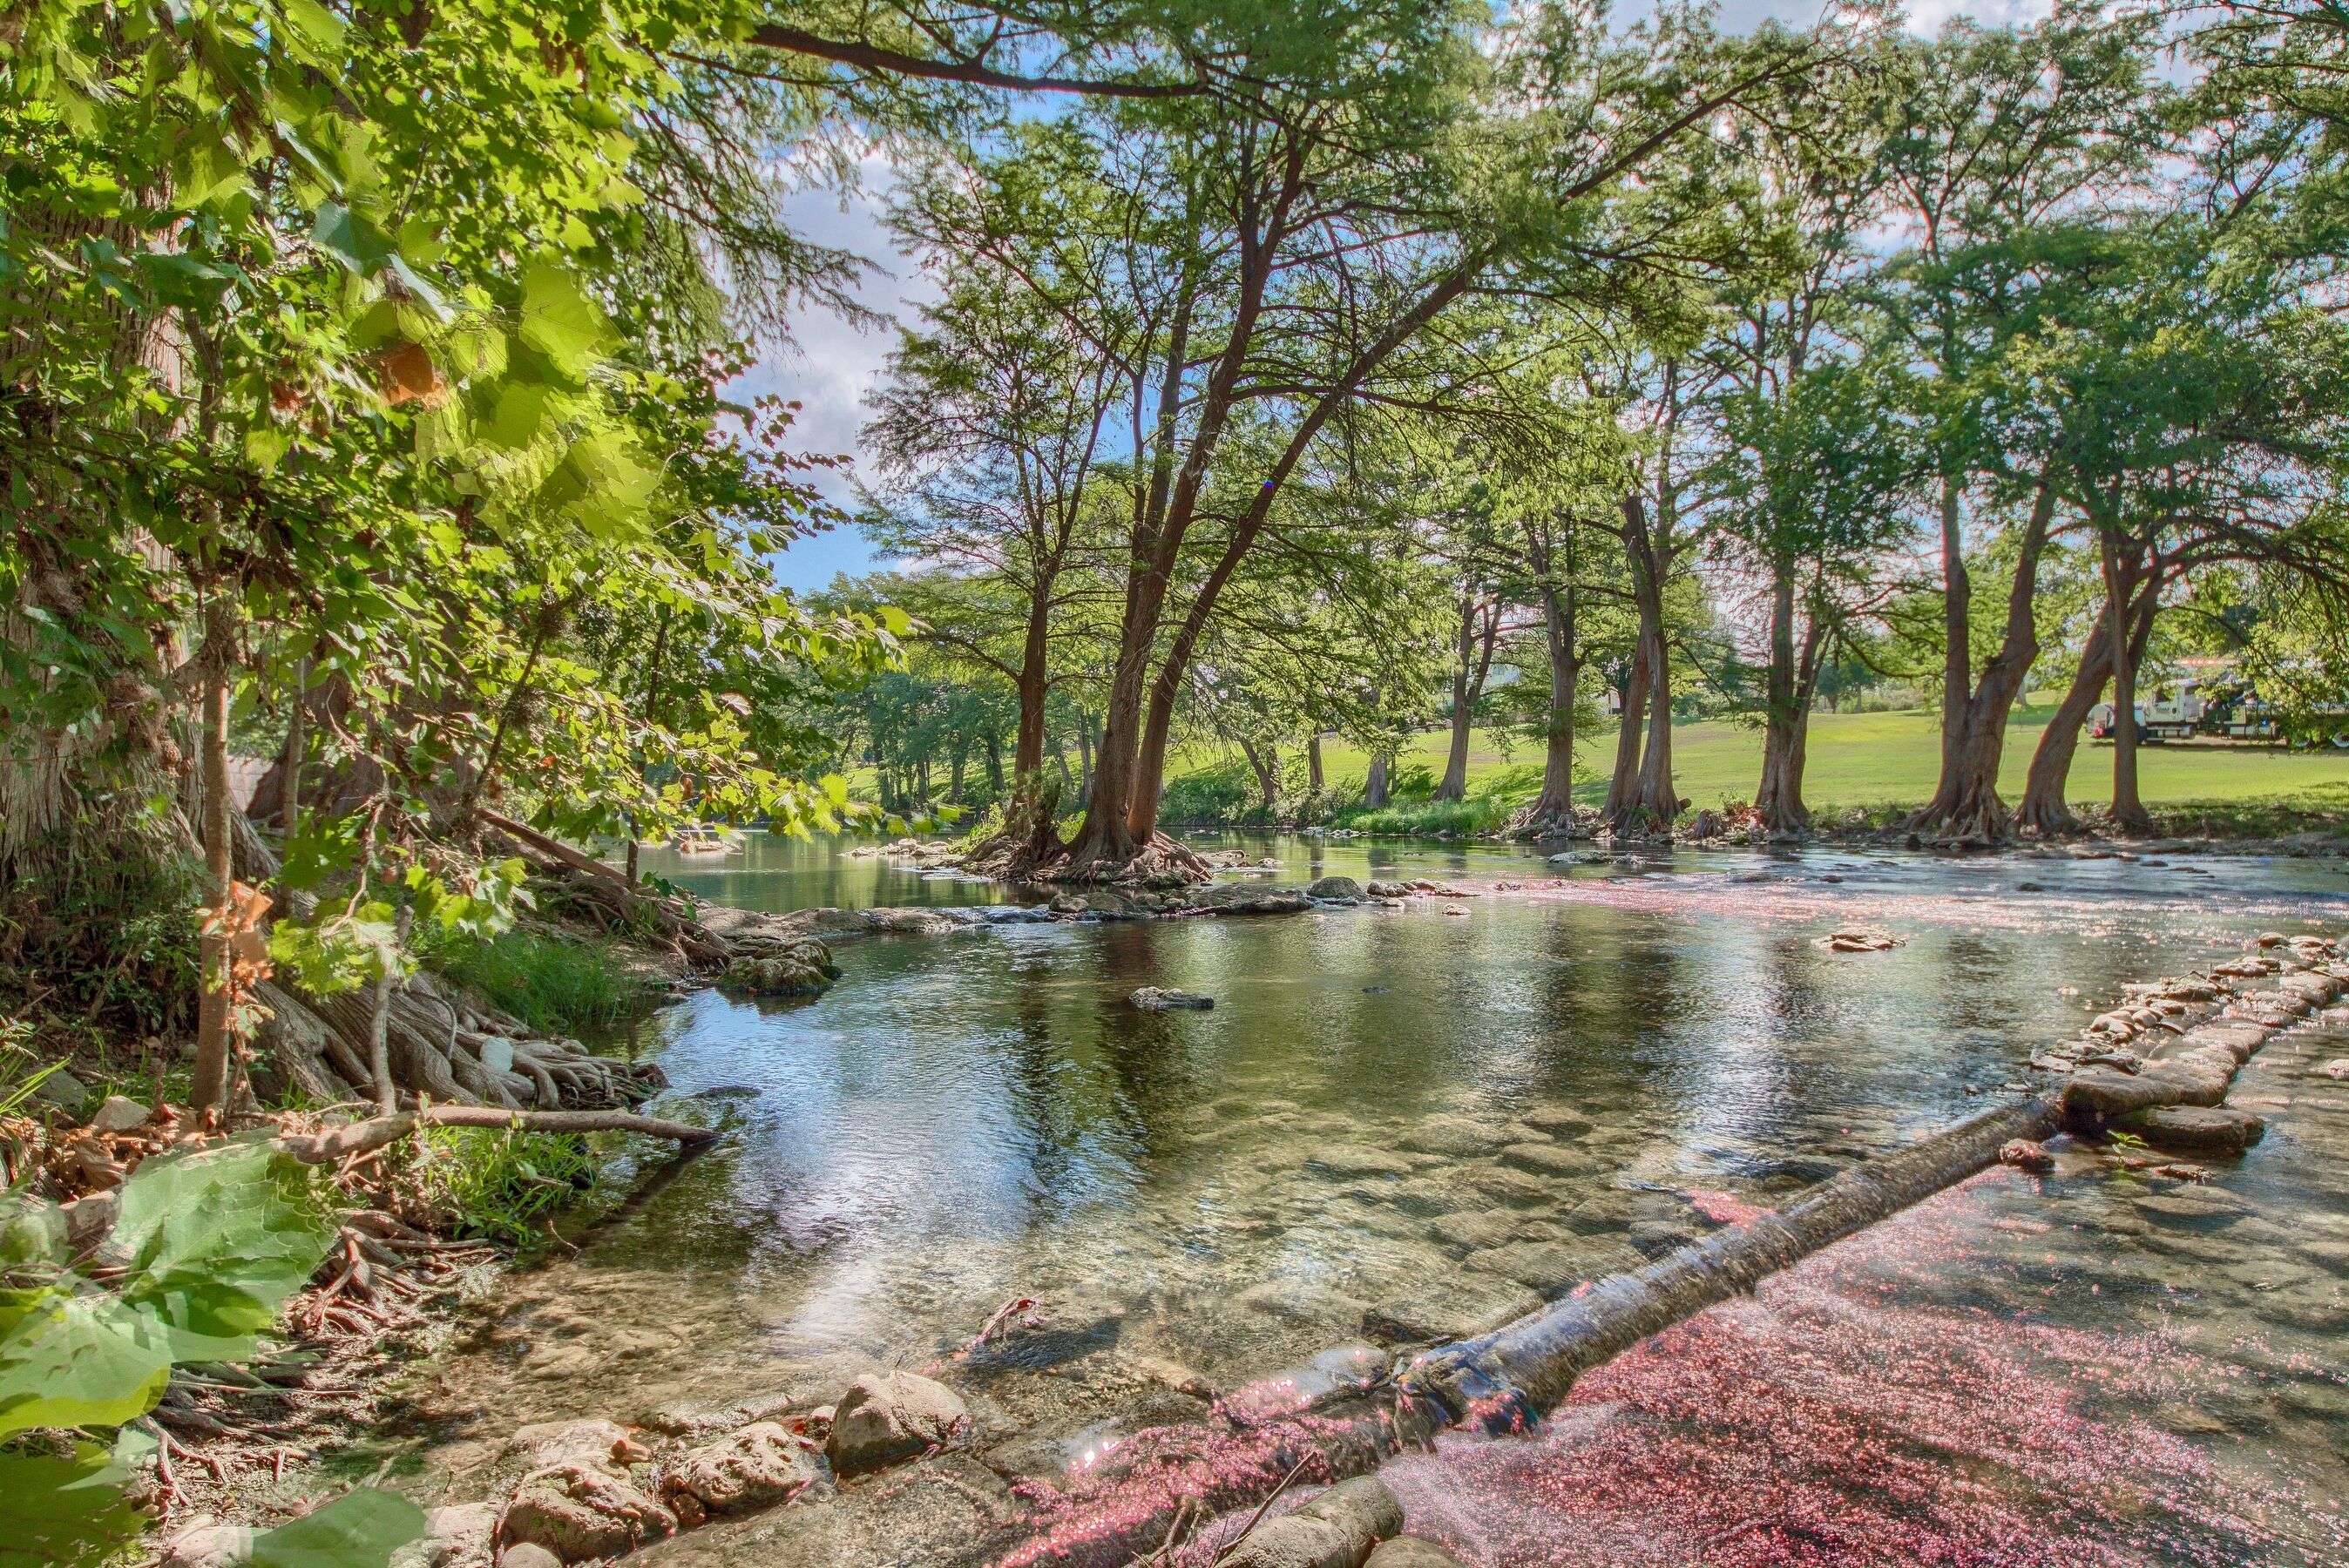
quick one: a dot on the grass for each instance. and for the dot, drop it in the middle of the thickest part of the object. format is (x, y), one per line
(565, 987)
(1874, 762)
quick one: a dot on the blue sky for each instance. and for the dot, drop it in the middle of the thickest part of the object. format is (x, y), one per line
(834, 365)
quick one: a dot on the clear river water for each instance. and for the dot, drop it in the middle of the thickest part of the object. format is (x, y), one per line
(1442, 1107)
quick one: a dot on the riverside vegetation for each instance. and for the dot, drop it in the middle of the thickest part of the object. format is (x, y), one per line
(390, 566)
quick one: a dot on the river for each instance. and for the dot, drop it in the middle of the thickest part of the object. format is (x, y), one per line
(1439, 1108)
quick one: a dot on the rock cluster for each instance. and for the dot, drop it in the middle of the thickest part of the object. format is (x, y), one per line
(801, 968)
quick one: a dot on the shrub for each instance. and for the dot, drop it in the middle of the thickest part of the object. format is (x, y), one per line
(497, 1183)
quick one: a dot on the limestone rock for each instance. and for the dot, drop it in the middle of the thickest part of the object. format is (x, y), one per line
(1460, 1307)
(1158, 999)
(581, 1511)
(1553, 1268)
(119, 1114)
(62, 1091)
(803, 968)
(603, 1444)
(761, 1465)
(2195, 1129)
(2025, 1155)
(210, 1545)
(1341, 890)
(528, 1554)
(1859, 939)
(1336, 1530)
(1547, 1159)
(1384, 887)
(1357, 1160)
(887, 1417)
(1558, 1121)
(458, 1535)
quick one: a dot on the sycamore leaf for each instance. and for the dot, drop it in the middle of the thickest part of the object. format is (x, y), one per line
(75, 1360)
(64, 1512)
(560, 321)
(216, 1240)
(359, 1529)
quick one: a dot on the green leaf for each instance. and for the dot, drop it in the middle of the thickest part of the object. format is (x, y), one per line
(359, 1529)
(216, 1240)
(75, 1360)
(560, 321)
(351, 238)
(64, 1512)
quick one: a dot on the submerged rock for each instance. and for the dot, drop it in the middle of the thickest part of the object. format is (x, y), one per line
(1381, 887)
(761, 1465)
(1859, 939)
(2195, 1129)
(1159, 999)
(2025, 1155)
(580, 1511)
(1461, 1306)
(1336, 1530)
(887, 1417)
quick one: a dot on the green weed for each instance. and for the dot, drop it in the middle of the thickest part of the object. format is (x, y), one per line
(564, 987)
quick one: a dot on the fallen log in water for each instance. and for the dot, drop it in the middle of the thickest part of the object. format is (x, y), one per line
(1507, 1380)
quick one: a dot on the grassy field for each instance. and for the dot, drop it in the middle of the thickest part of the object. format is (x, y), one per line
(1878, 759)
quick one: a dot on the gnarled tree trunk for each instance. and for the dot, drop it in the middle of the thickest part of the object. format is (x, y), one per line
(2043, 809)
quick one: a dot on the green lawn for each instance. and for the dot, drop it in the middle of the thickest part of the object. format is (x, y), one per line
(1893, 758)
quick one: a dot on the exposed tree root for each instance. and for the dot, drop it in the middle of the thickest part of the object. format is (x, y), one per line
(362, 1137)
(1163, 861)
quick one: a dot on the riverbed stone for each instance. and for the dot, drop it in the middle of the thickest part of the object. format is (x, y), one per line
(2327, 1255)
(1384, 887)
(208, 1544)
(1475, 1228)
(1554, 1267)
(1558, 1121)
(1515, 1188)
(1461, 1306)
(2191, 1207)
(763, 1464)
(606, 1445)
(1336, 889)
(528, 1554)
(1457, 1137)
(1336, 1530)
(581, 1510)
(1547, 1159)
(2195, 1129)
(887, 1417)
(1350, 1160)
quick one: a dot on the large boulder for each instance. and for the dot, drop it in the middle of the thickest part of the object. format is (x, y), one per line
(763, 1464)
(581, 1511)
(801, 968)
(1337, 1529)
(1337, 890)
(887, 1417)
(2195, 1129)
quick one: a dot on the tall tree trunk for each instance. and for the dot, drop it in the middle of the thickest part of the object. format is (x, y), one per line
(2128, 811)
(2044, 810)
(994, 745)
(1554, 806)
(1654, 800)
(1085, 755)
(289, 783)
(208, 1091)
(1313, 779)
(1966, 807)
(958, 758)
(1780, 718)
(1265, 763)
(1957, 625)
(1374, 783)
(1628, 732)
(1480, 624)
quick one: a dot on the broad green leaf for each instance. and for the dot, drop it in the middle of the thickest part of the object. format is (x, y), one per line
(359, 1529)
(75, 1360)
(216, 1240)
(64, 1512)
(560, 321)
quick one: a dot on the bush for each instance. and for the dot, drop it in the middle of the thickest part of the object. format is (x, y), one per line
(566, 988)
(1477, 814)
(1220, 795)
